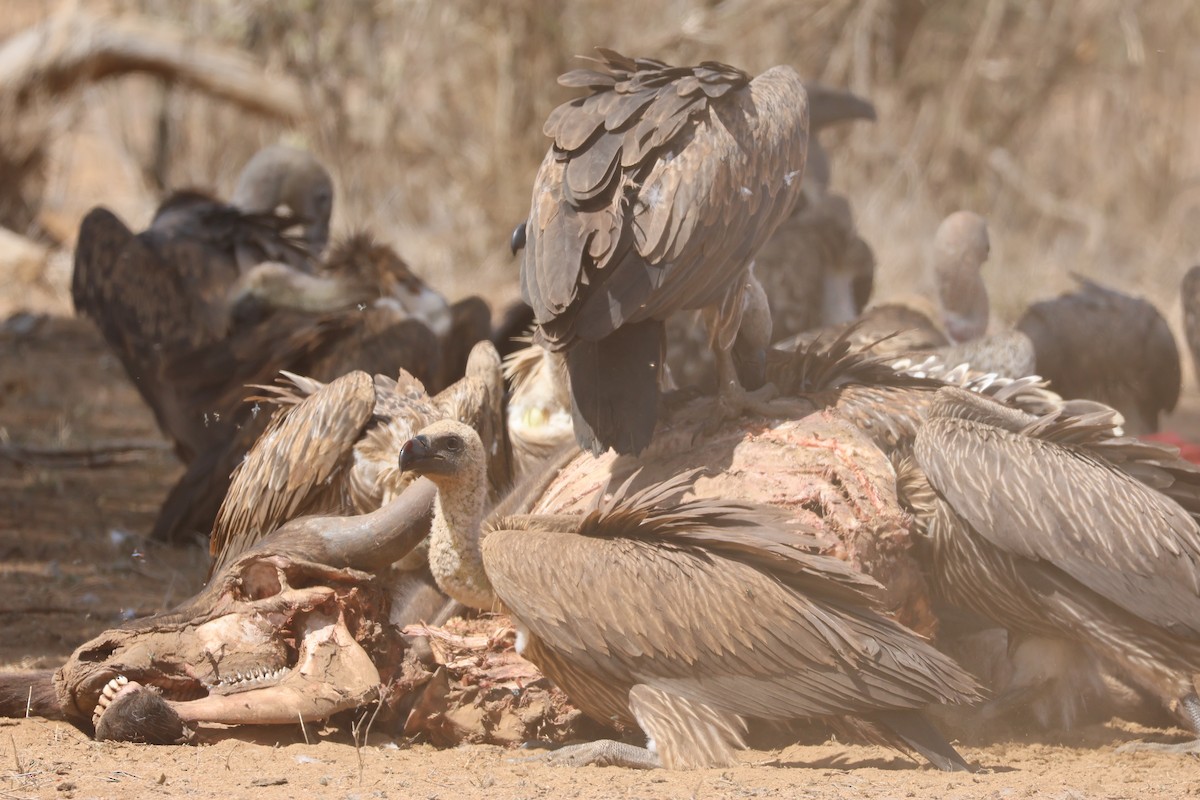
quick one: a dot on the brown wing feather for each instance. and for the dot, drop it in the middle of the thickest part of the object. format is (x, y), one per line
(1062, 505)
(142, 292)
(300, 450)
(716, 604)
(654, 153)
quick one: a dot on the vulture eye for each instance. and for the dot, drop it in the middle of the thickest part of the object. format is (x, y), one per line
(454, 443)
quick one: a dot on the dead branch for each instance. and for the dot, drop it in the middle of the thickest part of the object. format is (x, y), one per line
(97, 454)
(73, 48)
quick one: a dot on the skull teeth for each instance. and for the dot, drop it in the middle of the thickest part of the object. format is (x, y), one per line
(107, 694)
(243, 678)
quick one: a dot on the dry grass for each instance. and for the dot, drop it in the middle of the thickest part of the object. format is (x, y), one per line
(1065, 123)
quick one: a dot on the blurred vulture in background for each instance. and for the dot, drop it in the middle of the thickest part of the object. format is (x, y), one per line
(660, 186)
(213, 297)
(958, 312)
(1190, 298)
(1103, 345)
(1083, 544)
(164, 292)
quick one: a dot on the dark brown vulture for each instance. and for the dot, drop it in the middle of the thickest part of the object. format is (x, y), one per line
(164, 292)
(214, 297)
(659, 187)
(1190, 291)
(1104, 345)
(828, 106)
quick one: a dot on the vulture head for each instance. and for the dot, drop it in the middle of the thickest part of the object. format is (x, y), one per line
(287, 176)
(442, 451)
(960, 249)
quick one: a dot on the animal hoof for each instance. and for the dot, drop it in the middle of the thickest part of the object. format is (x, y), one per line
(137, 714)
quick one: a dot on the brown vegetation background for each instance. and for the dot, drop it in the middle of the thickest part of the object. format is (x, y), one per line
(1069, 124)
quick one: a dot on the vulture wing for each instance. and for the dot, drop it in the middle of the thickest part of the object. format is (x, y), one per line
(290, 470)
(713, 603)
(1062, 504)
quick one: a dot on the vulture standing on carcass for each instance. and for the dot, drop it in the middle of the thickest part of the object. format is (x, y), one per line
(1083, 544)
(659, 187)
(816, 269)
(1101, 344)
(684, 618)
(332, 448)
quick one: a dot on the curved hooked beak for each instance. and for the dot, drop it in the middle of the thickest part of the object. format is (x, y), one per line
(415, 452)
(517, 241)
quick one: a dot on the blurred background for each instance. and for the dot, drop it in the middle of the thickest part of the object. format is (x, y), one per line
(1069, 124)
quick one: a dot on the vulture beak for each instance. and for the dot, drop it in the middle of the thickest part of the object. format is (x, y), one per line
(517, 242)
(415, 453)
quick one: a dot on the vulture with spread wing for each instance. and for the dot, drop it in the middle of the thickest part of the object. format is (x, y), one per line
(659, 187)
(332, 448)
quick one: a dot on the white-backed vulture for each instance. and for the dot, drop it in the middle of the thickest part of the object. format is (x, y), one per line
(1071, 538)
(910, 324)
(280, 175)
(685, 618)
(659, 187)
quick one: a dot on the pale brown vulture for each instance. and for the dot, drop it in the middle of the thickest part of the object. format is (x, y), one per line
(1072, 538)
(684, 618)
(659, 187)
(332, 448)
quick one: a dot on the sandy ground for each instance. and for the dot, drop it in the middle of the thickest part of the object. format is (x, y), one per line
(73, 562)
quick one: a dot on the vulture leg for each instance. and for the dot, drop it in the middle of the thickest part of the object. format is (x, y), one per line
(603, 753)
(1190, 706)
(740, 341)
(1053, 680)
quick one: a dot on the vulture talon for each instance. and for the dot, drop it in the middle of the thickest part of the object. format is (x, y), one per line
(736, 402)
(602, 753)
(1191, 748)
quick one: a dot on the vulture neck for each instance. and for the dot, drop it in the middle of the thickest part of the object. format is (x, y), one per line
(455, 557)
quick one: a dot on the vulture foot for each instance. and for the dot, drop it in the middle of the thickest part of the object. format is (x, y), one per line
(1191, 748)
(602, 753)
(735, 401)
(1190, 706)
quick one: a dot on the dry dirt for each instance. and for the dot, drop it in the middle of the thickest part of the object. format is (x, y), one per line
(72, 563)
